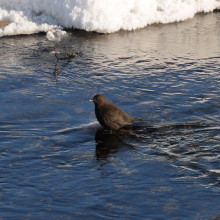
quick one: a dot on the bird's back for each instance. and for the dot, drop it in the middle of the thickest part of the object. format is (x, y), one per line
(114, 114)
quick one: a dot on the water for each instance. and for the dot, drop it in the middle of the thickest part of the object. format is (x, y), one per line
(56, 162)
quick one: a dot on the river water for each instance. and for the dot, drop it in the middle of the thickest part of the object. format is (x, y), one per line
(56, 161)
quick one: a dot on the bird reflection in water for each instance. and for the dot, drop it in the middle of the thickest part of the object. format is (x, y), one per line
(110, 142)
(107, 143)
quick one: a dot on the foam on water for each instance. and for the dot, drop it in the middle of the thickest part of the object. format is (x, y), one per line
(32, 16)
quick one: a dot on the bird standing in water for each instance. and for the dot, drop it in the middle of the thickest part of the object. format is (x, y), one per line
(110, 116)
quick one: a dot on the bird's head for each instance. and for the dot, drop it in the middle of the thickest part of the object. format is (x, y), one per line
(98, 99)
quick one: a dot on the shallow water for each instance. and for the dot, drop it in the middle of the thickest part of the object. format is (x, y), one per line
(56, 162)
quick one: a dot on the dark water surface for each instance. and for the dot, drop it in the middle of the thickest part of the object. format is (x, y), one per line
(56, 162)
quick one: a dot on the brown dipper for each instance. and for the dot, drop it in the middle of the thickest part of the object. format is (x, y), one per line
(110, 116)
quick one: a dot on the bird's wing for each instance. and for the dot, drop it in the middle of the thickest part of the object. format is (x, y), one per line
(113, 115)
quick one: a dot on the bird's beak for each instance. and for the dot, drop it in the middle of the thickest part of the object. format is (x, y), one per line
(91, 100)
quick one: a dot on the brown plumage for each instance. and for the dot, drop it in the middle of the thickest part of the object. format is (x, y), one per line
(110, 116)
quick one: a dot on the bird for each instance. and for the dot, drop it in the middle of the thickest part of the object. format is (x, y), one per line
(109, 115)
